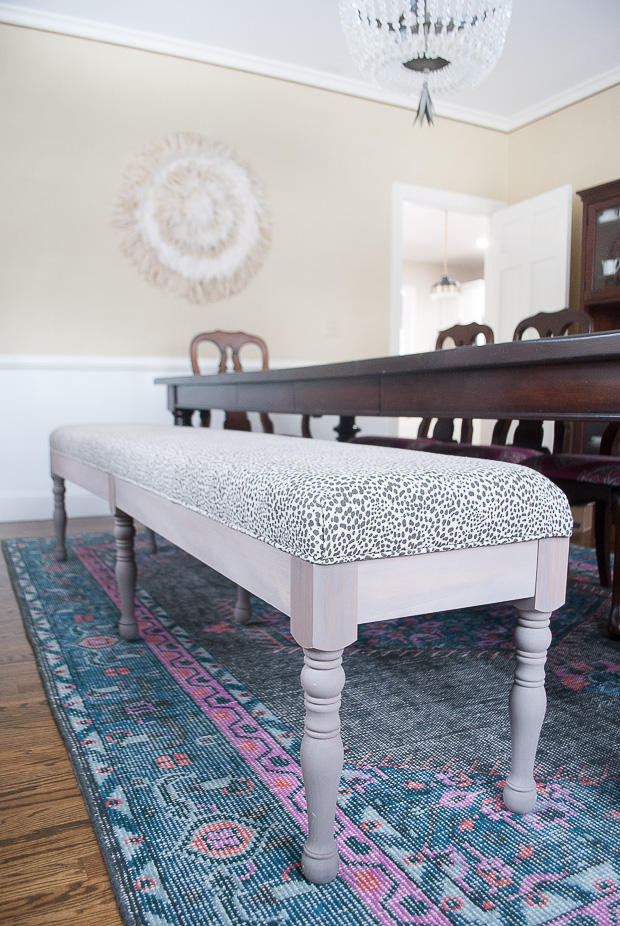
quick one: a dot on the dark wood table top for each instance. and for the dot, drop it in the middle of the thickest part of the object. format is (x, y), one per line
(575, 377)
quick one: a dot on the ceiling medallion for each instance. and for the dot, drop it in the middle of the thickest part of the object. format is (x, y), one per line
(194, 218)
(425, 45)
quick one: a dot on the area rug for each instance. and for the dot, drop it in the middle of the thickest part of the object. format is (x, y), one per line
(186, 747)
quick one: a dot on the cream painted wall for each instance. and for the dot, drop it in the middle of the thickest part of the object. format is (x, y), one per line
(579, 145)
(75, 112)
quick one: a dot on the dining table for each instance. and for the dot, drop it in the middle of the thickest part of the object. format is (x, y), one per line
(571, 378)
(568, 378)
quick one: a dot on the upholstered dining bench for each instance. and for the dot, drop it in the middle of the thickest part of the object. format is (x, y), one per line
(336, 535)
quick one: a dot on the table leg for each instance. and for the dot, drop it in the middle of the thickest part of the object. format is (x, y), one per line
(243, 606)
(150, 541)
(183, 416)
(346, 428)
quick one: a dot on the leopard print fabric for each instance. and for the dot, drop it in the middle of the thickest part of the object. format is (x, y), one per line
(323, 501)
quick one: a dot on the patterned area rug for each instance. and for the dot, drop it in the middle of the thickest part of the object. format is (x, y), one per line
(186, 746)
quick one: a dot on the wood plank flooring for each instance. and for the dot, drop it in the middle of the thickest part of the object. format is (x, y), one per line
(51, 869)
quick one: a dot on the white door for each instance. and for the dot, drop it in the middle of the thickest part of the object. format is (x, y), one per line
(527, 264)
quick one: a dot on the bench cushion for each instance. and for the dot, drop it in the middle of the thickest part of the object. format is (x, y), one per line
(323, 501)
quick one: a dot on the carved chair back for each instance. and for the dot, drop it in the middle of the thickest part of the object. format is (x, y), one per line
(229, 343)
(462, 336)
(548, 325)
(555, 324)
(586, 478)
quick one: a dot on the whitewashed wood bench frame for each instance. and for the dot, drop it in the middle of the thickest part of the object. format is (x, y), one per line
(327, 602)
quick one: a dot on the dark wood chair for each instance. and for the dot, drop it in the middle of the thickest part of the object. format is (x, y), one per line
(461, 336)
(464, 335)
(554, 324)
(547, 325)
(594, 478)
(443, 430)
(583, 477)
(229, 343)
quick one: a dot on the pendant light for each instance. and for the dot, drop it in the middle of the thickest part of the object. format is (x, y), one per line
(446, 288)
(419, 46)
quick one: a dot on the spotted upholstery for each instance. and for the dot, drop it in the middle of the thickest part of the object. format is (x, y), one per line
(323, 501)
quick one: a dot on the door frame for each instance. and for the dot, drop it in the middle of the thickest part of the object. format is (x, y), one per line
(428, 196)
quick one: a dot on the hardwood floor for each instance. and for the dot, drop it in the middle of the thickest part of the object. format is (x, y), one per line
(51, 869)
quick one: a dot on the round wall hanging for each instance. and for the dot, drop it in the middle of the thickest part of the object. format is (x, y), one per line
(194, 218)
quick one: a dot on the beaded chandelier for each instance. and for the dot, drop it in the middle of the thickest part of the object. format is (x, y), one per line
(424, 45)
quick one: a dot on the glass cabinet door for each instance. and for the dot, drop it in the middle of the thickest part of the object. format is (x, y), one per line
(600, 255)
(606, 263)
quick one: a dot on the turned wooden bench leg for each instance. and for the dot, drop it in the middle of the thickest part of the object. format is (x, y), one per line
(60, 519)
(527, 706)
(124, 534)
(322, 757)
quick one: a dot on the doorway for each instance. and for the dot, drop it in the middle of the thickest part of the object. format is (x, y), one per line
(418, 245)
(438, 241)
(418, 215)
(526, 266)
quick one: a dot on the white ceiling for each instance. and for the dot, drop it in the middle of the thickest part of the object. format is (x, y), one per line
(557, 51)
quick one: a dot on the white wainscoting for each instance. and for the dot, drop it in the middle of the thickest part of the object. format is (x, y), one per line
(39, 393)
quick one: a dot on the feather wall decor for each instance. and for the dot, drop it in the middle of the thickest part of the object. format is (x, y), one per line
(193, 217)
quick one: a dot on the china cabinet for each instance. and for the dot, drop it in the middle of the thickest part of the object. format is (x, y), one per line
(600, 260)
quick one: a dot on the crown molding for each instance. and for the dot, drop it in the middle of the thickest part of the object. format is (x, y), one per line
(567, 98)
(207, 54)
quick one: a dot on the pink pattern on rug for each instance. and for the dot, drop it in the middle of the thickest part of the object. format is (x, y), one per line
(378, 882)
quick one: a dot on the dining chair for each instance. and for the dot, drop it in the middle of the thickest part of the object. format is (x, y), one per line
(594, 478)
(529, 433)
(583, 477)
(461, 336)
(443, 430)
(527, 440)
(229, 343)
